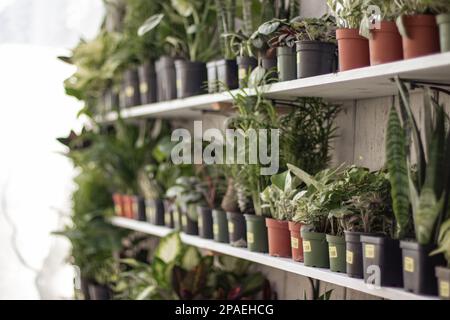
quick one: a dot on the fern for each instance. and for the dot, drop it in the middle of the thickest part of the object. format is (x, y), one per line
(398, 172)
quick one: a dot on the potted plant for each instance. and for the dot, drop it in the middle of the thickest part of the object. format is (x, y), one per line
(424, 188)
(310, 211)
(220, 222)
(212, 188)
(316, 46)
(443, 273)
(385, 43)
(417, 25)
(278, 199)
(443, 21)
(353, 48)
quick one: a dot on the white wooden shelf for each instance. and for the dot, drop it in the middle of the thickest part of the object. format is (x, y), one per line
(369, 82)
(278, 263)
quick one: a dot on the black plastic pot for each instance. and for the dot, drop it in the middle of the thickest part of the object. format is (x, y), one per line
(99, 292)
(382, 261)
(354, 254)
(315, 249)
(154, 210)
(315, 58)
(191, 78)
(237, 230)
(220, 226)
(147, 83)
(111, 100)
(166, 79)
(245, 67)
(139, 208)
(336, 253)
(227, 74)
(286, 62)
(190, 225)
(256, 233)
(168, 214)
(211, 70)
(205, 222)
(443, 276)
(130, 88)
(270, 65)
(418, 268)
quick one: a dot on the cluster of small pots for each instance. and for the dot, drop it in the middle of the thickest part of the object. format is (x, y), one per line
(427, 34)
(375, 258)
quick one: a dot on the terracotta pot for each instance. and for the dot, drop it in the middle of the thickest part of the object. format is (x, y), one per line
(353, 49)
(443, 20)
(127, 206)
(423, 36)
(279, 238)
(296, 241)
(385, 44)
(118, 204)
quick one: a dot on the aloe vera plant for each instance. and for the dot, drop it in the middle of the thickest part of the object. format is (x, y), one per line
(425, 188)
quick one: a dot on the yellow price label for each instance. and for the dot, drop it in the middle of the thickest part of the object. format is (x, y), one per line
(294, 242)
(149, 212)
(332, 250)
(250, 237)
(200, 222)
(306, 246)
(129, 91)
(369, 251)
(349, 257)
(230, 227)
(444, 289)
(242, 73)
(178, 84)
(167, 218)
(184, 220)
(143, 87)
(215, 229)
(298, 57)
(408, 264)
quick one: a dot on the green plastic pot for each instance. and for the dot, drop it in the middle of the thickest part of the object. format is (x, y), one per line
(315, 249)
(220, 226)
(287, 63)
(443, 21)
(336, 253)
(256, 233)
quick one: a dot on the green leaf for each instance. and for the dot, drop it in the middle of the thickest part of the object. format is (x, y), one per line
(191, 258)
(169, 248)
(184, 7)
(269, 27)
(150, 24)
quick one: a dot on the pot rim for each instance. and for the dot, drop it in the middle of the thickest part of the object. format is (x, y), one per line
(443, 18)
(442, 272)
(222, 62)
(294, 226)
(188, 64)
(380, 239)
(415, 246)
(315, 42)
(285, 50)
(387, 27)
(253, 217)
(308, 235)
(424, 20)
(335, 239)
(276, 224)
(349, 33)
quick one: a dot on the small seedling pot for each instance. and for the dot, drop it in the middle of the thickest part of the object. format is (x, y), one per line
(245, 67)
(443, 277)
(353, 49)
(211, 69)
(423, 36)
(336, 253)
(205, 222)
(315, 249)
(286, 61)
(189, 220)
(227, 74)
(220, 226)
(315, 58)
(385, 44)
(296, 241)
(382, 261)
(279, 238)
(118, 204)
(237, 231)
(130, 88)
(147, 83)
(418, 267)
(191, 78)
(127, 206)
(99, 292)
(166, 79)
(168, 213)
(139, 208)
(256, 233)
(443, 21)
(354, 254)
(154, 209)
